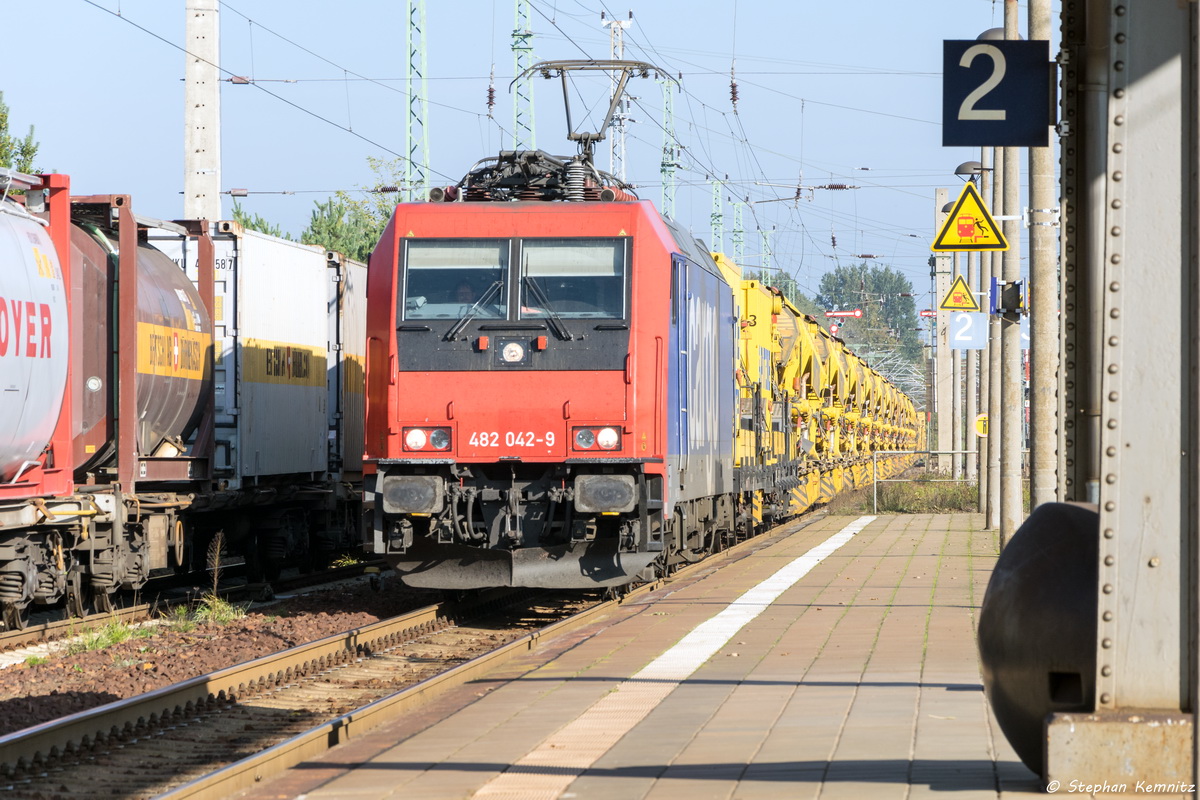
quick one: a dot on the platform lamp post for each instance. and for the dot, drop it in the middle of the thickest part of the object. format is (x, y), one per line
(976, 386)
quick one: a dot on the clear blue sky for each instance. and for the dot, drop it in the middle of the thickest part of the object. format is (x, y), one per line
(825, 90)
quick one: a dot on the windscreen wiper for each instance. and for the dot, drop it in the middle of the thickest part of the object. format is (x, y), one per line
(560, 328)
(472, 311)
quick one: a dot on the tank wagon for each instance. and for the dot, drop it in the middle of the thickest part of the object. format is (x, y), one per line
(566, 389)
(129, 439)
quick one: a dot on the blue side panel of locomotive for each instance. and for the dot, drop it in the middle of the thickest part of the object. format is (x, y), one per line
(701, 389)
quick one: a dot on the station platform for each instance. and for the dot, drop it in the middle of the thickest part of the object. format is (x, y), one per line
(837, 660)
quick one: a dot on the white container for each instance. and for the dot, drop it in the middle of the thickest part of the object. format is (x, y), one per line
(34, 343)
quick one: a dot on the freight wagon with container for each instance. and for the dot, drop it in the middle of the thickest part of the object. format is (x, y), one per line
(128, 440)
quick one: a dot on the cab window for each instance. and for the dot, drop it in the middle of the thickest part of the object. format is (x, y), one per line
(450, 278)
(582, 278)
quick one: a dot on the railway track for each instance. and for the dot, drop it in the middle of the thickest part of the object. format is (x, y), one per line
(216, 734)
(48, 625)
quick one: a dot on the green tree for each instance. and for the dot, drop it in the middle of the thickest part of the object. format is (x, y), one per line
(889, 319)
(256, 222)
(344, 226)
(382, 197)
(15, 153)
(350, 225)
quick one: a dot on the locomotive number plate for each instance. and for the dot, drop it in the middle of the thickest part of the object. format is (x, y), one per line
(511, 439)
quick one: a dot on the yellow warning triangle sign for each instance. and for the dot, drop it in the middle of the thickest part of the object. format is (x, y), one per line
(969, 226)
(959, 298)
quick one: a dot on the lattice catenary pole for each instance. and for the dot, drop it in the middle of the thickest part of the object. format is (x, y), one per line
(616, 142)
(669, 153)
(717, 218)
(416, 132)
(522, 47)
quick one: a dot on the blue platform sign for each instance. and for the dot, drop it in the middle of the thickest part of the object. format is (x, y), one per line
(968, 330)
(997, 93)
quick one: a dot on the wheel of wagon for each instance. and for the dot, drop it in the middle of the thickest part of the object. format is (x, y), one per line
(16, 618)
(102, 600)
(77, 604)
(177, 543)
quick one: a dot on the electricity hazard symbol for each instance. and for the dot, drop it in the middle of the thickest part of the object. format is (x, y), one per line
(959, 298)
(969, 226)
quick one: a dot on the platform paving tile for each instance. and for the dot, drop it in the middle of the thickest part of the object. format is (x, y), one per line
(861, 680)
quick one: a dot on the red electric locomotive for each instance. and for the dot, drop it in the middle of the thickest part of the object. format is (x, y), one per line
(553, 386)
(519, 364)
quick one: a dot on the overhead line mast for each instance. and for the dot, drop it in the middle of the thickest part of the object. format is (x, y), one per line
(739, 235)
(416, 134)
(202, 123)
(522, 47)
(616, 143)
(717, 218)
(670, 152)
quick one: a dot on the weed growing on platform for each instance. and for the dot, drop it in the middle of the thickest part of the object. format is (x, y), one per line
(928, 493)
(918, 493)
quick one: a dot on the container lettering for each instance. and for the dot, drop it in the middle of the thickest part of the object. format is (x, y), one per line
(284, 362)
(25, 328)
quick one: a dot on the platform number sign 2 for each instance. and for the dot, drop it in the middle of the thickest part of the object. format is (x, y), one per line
(997, 93)
(968, 330)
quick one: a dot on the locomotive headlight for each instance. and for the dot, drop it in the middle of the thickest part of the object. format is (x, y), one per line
(608, 438)
(513, 352)
(415, 439)
(440, 439)
(584, 439)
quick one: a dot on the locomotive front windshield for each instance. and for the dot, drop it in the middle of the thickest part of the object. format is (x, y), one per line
(573, 278)
(450, 278)
(556, 278)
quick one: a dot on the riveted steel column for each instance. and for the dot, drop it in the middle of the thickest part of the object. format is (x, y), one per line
(1149, 286)
(1147, 408)
(1084, 155)
(1075, 102)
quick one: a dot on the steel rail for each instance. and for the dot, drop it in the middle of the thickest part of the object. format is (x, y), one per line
(42, 631)
(80, 730)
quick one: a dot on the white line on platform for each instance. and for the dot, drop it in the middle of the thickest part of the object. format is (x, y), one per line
(549, 768)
